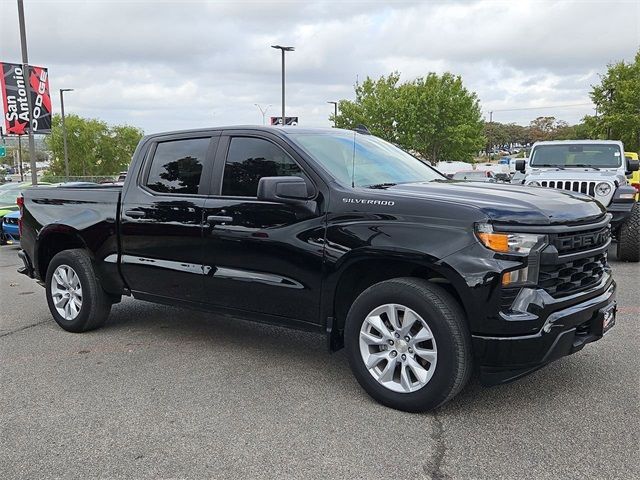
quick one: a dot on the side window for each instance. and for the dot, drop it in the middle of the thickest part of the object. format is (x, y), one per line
(177, 166)
(250, 159)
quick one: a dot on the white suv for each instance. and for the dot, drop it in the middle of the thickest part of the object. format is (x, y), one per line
(597, 168)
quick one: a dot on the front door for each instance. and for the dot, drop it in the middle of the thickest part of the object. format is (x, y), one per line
(259, 256)
(161, 219)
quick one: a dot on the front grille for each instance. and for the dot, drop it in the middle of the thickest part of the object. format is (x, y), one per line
(587, 187)
(566, 278)
(574, 242)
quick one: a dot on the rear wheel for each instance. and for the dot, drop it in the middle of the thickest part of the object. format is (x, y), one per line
(408, 344)
(74, 295)
(629, 237)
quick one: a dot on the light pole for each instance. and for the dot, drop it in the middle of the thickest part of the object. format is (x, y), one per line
(335, 113)
(64, 132)
(25, 74)
(283, 49)
(263, 112)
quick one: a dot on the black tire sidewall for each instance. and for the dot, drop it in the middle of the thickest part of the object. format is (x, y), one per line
(88, 284)
(629, 236)
(436, 391)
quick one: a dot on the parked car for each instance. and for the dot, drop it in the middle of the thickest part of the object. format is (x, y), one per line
(9, 227)
(340, 233)
(597, 168)
(474, 176)
(635, 176)
(8, 194)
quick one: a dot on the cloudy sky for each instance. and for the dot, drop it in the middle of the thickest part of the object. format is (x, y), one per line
(175, 64)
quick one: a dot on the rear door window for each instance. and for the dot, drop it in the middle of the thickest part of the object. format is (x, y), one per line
(177, 166)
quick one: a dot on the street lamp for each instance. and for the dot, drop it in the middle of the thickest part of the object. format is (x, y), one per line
(283, 49)
(335, 113)
(263, 111)
(64, 132)
(25, 74)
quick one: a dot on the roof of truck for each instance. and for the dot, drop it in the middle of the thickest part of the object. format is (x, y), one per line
(274, 129)
(565, 142)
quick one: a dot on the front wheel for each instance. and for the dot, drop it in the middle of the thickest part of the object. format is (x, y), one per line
(629, 237)
(75, 297)
(408, 345)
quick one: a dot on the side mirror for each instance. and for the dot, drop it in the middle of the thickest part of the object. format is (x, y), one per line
(283, 189)
(633, 165)
(520, 165)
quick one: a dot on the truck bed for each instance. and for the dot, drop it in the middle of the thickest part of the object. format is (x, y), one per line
(88, 214)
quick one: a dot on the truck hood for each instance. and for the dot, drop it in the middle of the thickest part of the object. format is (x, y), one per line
(505, 203)
(578, 174)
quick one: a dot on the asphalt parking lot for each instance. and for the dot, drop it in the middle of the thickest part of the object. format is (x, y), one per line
(161, 392)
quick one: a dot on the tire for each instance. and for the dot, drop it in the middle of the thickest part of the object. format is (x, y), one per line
(94, 303)
(451, 342)
(629, 237)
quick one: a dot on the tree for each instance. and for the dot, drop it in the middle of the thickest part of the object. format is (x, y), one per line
(617, 100)
(375, 106)
(496, 134)
(95, 149)
(433, 116)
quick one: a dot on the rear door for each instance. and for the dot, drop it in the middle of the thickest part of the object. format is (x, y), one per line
(161, 217)
(259, 256)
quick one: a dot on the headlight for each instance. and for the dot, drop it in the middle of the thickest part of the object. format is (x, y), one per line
(533, 184)
(521, 243)
(603, 189)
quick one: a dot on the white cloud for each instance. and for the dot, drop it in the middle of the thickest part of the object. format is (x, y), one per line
(179, 64)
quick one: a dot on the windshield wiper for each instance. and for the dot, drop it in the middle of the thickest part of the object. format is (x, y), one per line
(547, 165)
(382, 185)
(584, 165)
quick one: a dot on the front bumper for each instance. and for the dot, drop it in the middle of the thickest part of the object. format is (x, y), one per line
(566, 330)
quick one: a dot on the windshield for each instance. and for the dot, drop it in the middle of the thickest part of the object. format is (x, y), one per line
(377, 163)
(575, 155)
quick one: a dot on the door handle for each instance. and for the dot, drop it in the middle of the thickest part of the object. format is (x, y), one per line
(214, 219)
(134, 213)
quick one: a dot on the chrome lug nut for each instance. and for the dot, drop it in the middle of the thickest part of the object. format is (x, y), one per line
(397, 335)
(394, 353)
(410, 350)
(407, 338)
(390, 342)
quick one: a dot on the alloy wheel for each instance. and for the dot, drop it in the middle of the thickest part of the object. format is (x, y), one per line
(66, 292)
(398, 348)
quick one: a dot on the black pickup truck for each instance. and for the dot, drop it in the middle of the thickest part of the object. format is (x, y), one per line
(422, 279)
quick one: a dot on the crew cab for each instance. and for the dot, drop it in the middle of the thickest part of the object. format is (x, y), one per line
(421, 279)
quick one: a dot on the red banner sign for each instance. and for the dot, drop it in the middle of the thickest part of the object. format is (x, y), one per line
(14, 99)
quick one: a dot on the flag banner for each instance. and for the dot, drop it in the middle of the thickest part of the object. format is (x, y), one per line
(14, 99)
(288, 120)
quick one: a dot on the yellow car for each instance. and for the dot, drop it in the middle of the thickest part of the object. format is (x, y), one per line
(635, 178)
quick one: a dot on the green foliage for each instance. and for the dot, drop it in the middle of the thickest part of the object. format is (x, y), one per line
(542, 128)
(617, 99)
(95, 148)
(435, 116)
(548, 128)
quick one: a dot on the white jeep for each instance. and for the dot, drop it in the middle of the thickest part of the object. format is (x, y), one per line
(597, 168)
